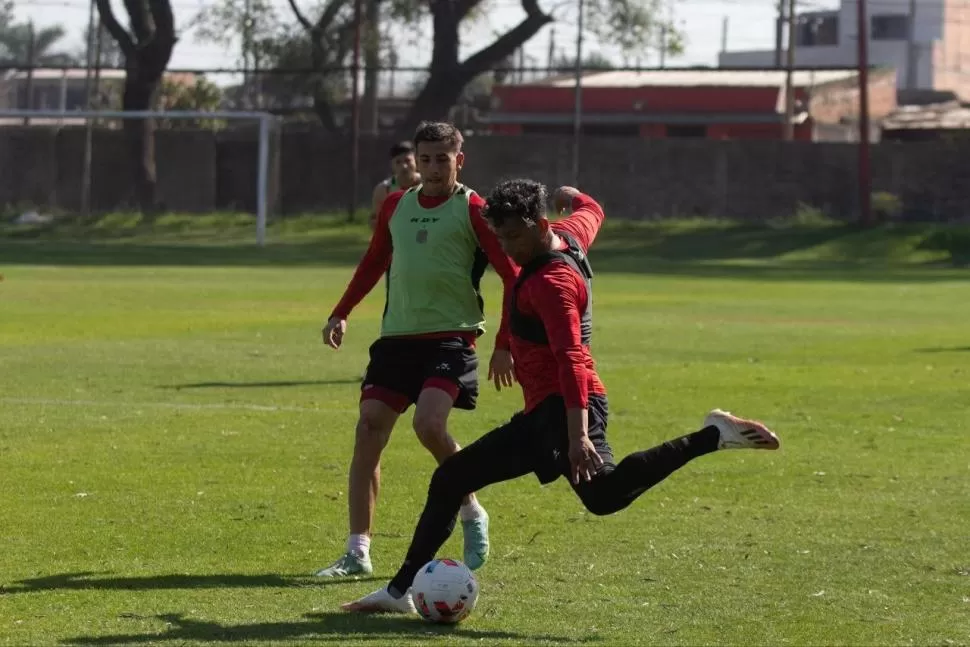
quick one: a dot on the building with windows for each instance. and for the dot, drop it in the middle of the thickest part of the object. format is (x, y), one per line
(704, 104)
(932, 55)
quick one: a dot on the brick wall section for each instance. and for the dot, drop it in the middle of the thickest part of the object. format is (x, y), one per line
(829, 103)
(634, 178)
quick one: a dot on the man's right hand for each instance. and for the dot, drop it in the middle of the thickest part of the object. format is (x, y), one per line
(562, 199)
(333, 332)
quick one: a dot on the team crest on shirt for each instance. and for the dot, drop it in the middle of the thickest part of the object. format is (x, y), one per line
(422, 235)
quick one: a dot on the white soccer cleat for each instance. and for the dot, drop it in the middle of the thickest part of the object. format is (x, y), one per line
(740, 433)
(380, 601)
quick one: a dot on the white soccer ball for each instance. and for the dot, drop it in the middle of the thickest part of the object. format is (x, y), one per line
(444, 591)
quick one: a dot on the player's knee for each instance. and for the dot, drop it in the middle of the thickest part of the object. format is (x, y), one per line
(431, 428)
(446, 481)
(371, 436)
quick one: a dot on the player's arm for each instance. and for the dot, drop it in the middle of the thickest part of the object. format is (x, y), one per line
(506, 269)
(377, 201)
(585, 215)
(559, 296)
(369, 271)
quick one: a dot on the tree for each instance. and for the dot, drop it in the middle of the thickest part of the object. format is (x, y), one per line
(627, 23)
(257, 25)
(199, 95)
(592, 61)
(111, 55)
(331, 39)
(147, 49)
(319, 41)
(17, 50)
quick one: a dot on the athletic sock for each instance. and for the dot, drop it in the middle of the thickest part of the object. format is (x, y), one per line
(472, 510)
(359, 545)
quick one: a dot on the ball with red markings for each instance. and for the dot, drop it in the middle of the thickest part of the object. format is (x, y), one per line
(444, 591)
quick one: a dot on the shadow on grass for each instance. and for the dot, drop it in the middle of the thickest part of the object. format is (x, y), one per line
(337, 251)
(248, 385)
(944, 349)
(96, 581)
(333, 627)
(705, 249)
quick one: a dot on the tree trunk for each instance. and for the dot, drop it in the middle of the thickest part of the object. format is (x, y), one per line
(139, 94)
(147, 50)
(324, 110)
(434, 102)
(448, 77)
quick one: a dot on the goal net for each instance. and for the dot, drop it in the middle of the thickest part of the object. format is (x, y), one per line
(81, 162)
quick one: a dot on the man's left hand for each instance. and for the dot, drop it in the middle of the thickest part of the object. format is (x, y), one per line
(584, 460)
(501, 369)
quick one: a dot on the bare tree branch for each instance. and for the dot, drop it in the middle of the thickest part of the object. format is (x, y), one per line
(503, 47)
(463, 7)
(531, 8)
(114, 28)
(330, 13)
(163, 18)
(139, 17)
(302, 19)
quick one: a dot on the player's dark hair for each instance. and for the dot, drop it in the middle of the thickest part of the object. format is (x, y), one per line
(401, 148)
(438, 131)
(519, 198)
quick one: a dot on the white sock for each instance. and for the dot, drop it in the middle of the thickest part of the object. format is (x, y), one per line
(472, 510)
(359, 545)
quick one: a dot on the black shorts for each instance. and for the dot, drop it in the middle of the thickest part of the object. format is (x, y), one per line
(541, 436)
(400, 369)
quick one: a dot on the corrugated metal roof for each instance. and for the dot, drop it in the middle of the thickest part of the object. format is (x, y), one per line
(701, 78)
(43, 74)
(560, 118)
(951, 115)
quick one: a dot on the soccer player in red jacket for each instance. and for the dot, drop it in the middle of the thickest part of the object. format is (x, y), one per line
(562, 429)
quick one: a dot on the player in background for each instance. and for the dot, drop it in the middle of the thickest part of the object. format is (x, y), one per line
(431, 240)
(404, 175)
(562, 428)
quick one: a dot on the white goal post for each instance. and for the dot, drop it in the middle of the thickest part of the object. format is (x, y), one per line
(264, 119)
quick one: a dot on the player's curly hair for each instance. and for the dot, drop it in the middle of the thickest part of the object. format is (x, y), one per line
(518, 198)
(439, 131)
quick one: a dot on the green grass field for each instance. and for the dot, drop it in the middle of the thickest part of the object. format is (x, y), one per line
(174, 441)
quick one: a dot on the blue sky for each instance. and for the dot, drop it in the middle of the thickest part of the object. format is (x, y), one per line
(751, 26)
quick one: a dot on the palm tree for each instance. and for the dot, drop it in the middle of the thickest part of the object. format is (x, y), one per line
(15, 45)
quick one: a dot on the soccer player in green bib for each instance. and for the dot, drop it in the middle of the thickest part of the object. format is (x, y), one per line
(433, 244)
(404, 175)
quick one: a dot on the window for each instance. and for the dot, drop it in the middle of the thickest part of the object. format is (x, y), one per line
(814, 31)
(890, 27)
(687, 131)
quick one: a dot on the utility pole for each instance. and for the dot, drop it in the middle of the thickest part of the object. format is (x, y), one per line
(247, 47)
(911, 49)
(779, 29)
(865, 171)
(789, 130)
(578, 92)
(86, 168)
(372, 64)
(31, 63)
(663, 46)
(355, 117)
(551, 59)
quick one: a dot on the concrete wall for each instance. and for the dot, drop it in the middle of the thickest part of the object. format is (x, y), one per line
(635, 178)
